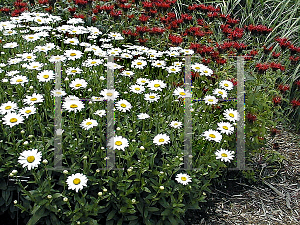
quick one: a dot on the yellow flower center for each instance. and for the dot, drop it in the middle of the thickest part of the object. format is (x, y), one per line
(33, 99)
(93, 62)
(10, 32)
(35, 66)
(128, 73)
(182, 93)
(175, 124)
(226, 85)
(212, 136)
(210, 100)
(73, 54)
(137, 89)
(139, 63)
(173, 69)
(13, 120)
(225, 127)
(112, 53)
(46, 76)
(109, 94)
(29, 57)
(123, 105)
(78, 85)
(30, 159)
(58, 93)
(57, 58)
(220, 92)
(71, 41)
(76, 181)
(19, 80)
(159, 64)
(73, 106)
(156, 85)
(205, 71)
(161, 140)
(39, 20)
(7, 107)
(231, 115)
(197, 68)
(88, 123)
(143, 81)
(151, 96)
(183, 178)
(73, 71)
(74, 31)
(224, 155)
(28, 111)
(30, 37)
(118, 143)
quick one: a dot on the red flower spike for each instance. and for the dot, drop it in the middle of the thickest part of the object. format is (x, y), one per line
(275, 55)
(276, 100)
(251, 118)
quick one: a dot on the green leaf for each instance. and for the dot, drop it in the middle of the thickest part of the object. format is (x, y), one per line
(172, 220)
(111, 215)
(146, 189)
(38, 212)
(152, 209)
(132, 217)
(166, 212)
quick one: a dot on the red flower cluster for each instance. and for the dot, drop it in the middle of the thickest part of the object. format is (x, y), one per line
(82, 16)
(115, 14)
(297, 83)
(251, 118)
(157, 30)
(275, 55)
(43, 2)
(283, 42)
(259, 29)
(233, 81)
(283, 88)
(106, 8)
(294, 59)
(143, 18)
(129, 33)
(276, 100)
(5, 10)
(186, 17)
(274, 131)
(141, 30)
(295, 103)
(277, 66)
(267, 50)
(294, 49)
(195, 31)
(19, 4)
(176, 40)
(204, 8)
(80, 2)
(262, 67)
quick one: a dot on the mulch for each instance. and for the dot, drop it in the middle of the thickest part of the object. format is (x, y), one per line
(274, 199)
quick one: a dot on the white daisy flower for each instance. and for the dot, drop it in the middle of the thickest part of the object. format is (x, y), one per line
(183, 178)
(127, 73)
(72, 41)
(212, 135)
(220, 92)
(159, 63)
(114, 51)
(12, 119)
(77, 181)
(139, 64)
(206, 71)
(30, 158)
(18, 80)
(232, 115)
(197, 67)
(72, 71)
(210, 100)
(11, 45)
(156, 85)
(225, 128)
(34, 66)
(8, 107)
(14, 61)
(143, 116)
(126, 56)
(123, 105)
(97, 99)
(27, 111)
(161, 139)
(58, 93)
(73, 105)
(109, 94)
(172, 53)
(107, 45)
(176, 124)
(116, 36)
(177, 64)
(227, 85)
(92, 62)
(78, 83)
(73, 54)
(113, 66)
(57, 58)
(118, 142)
(100, 113)
(152, 97)
(142, 81)
(137, 89)
(31, 37)
(88, 123)
(173, 69)
(187, 51)
(180, 92)
(34, 98)
(46, 76)
(28, 57)
(224, 155)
